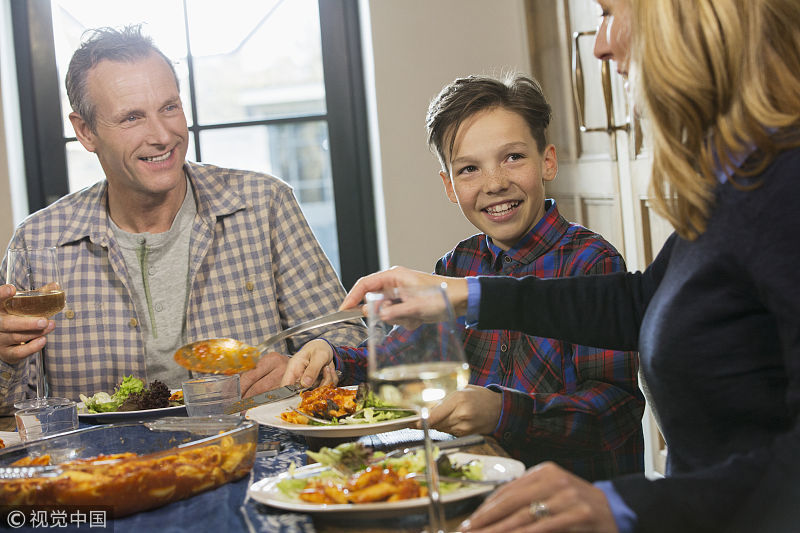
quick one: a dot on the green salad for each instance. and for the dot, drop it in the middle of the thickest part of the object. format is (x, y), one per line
(131, 395)
(102, 402)
(356, 457)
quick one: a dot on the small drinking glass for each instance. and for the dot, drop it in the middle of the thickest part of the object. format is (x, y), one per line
(57, 416)
(34, 273)
(211, 395)
(417, 368)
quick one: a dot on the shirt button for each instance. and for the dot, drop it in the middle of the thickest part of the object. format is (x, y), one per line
(159, 307)
(250, 286)
(69, 313)
(151, 271)
(507, 435)
(133, 323)
(507, 259)
(503, 348)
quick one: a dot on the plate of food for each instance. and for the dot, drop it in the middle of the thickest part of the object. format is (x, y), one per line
(131, 400)
(393, 486)
(339, 412)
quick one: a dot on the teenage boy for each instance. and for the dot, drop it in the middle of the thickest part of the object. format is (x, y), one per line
(542, 399)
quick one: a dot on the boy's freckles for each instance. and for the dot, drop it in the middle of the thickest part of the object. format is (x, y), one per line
(497, 175)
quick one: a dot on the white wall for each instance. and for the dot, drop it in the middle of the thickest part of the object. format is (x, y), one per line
(418, 46)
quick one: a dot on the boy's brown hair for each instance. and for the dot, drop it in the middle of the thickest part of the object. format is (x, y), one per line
(464, 97)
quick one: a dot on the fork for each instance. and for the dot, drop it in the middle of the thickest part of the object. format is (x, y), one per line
(466, 481)
(460, 442)
(312, 417)
(380, 409)
(331, 422)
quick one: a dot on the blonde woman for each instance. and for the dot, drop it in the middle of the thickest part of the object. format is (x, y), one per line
(715, 317)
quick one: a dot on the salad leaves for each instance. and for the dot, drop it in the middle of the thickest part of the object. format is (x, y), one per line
(102, 402)
(356, 457)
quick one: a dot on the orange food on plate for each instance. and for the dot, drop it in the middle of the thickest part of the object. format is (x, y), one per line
(326, 402)
(2, 444)
(375, 484)
(177, 396)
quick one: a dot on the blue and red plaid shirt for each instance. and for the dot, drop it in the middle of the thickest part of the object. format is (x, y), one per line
(575, 405)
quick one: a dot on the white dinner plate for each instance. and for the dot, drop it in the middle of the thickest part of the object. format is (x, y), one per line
(128, 416)
(270, 415)
(494, 468)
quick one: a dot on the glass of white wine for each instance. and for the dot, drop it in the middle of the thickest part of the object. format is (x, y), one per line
(34, 273)
(417, 368)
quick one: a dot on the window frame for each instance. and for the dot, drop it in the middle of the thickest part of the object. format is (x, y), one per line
(45, 146)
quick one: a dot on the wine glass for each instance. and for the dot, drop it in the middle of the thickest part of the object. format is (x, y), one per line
(34, 274)
(417, 368)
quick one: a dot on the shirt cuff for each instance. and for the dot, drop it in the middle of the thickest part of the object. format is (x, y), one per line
(10, 376)
(498, 429)
(473, 301)
(623, 515)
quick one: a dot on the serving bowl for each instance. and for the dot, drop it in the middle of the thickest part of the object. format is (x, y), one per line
(131, 467)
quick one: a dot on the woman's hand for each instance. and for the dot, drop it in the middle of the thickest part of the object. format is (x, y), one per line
(565, 503)
(20, 336)
(409, 313)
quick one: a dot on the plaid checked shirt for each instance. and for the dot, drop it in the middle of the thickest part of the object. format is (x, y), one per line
(578, 406)
(255, 269)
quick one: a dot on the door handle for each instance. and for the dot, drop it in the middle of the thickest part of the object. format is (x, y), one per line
(579, 90)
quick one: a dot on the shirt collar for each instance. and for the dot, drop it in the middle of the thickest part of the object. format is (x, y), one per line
(723, 172)
(213, 195)
(541, 238)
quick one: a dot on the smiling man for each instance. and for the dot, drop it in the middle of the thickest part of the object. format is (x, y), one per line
(541, 398)
(162, 251)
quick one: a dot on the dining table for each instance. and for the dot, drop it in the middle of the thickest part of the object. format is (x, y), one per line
(229, 509)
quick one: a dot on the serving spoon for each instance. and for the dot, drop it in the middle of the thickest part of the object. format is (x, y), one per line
(229, 356)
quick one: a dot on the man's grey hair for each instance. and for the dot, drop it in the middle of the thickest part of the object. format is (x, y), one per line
(121, 45)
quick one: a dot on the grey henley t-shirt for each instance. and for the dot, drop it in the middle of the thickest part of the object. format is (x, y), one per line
(158, 266)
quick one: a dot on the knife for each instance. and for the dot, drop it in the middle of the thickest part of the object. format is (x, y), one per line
(270, 396)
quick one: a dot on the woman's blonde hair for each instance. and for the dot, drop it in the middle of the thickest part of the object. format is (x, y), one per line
(717, 78)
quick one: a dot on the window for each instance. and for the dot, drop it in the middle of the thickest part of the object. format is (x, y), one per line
(273, 86)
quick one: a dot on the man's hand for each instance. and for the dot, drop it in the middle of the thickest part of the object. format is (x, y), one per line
(313, 362)
(265, 376)
(471, 410)
(20, 336)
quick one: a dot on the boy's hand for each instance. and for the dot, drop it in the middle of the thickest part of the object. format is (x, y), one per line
(313, 361)
(471, 410)
(20, 336)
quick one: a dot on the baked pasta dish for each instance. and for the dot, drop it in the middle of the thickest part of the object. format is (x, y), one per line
(326, 402)
(342, 405)
(131, 483)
